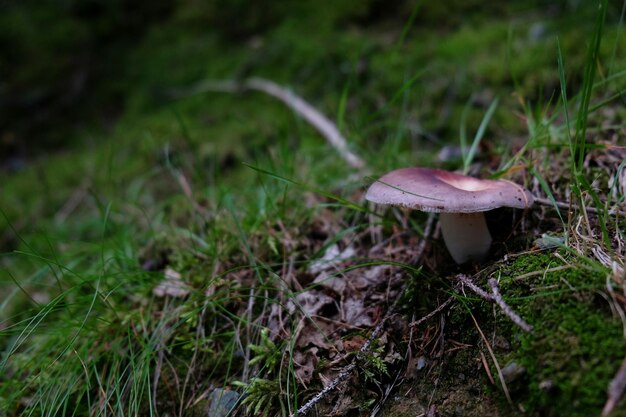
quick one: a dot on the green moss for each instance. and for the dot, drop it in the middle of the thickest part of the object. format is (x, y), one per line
(577, 343)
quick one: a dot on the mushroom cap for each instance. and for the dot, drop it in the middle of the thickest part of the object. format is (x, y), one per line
(440, 191)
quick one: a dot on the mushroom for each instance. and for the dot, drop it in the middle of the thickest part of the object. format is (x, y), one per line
(460, 199)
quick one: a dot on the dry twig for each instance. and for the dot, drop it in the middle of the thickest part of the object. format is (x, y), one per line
(320, 122)
(496, 297)
(433, 313)
(346, 372)
(571, 206)
(467, 281)
(311, 115)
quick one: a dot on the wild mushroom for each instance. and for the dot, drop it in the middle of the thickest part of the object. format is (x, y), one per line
(460, 199)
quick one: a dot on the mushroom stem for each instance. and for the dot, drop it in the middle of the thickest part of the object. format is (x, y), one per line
(466, 235)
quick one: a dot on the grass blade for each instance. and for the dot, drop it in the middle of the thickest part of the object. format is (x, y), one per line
(469, 156)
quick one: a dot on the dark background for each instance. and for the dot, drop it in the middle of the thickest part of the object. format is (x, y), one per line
(68, 64)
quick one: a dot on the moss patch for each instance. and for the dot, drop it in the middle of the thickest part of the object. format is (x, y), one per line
(577, 343)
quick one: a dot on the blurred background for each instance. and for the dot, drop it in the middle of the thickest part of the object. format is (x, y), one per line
(67, 66)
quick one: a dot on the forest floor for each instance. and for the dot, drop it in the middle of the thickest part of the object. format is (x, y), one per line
(200, 248)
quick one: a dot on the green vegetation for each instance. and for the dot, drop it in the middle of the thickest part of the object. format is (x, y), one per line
(577, 339)
(160, 240)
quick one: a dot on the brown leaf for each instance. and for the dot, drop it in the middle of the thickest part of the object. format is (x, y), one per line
(355, 313)
(353, 344)
(309, 303)
(305, 363)
(315, 334)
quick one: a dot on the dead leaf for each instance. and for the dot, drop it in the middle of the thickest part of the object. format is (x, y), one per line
(314, 334)
(332, 258)
(371, 277)
(336, 284)
(353, 344)
(343, 406)
(356, 314)
(275, 322)
(310, 303)
(171, 286)
(305, 363)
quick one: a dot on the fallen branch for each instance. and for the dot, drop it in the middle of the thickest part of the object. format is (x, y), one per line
(320, 122)
(465, 280)
(495, 297)
(506, 308)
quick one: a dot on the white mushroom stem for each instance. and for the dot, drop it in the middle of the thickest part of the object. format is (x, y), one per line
(466, 235)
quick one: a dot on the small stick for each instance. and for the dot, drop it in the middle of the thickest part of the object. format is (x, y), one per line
(346, 371)
(547, 271)
(428, 229)
(494, 359)
(310, 114)
(430, 315)
(465, 280)
(496, 297)
(506, 308)
(343, 375)
(616, 389)
(320, 122)
(568, 206)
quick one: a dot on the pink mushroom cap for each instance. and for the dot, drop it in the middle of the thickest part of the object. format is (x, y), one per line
(439, 191)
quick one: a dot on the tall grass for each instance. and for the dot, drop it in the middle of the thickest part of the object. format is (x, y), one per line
(578, 144)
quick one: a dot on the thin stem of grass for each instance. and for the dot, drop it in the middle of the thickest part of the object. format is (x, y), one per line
(469, 154)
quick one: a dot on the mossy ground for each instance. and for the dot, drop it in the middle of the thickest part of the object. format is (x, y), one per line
(575, 347)
(150, 176)
(577, 340)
